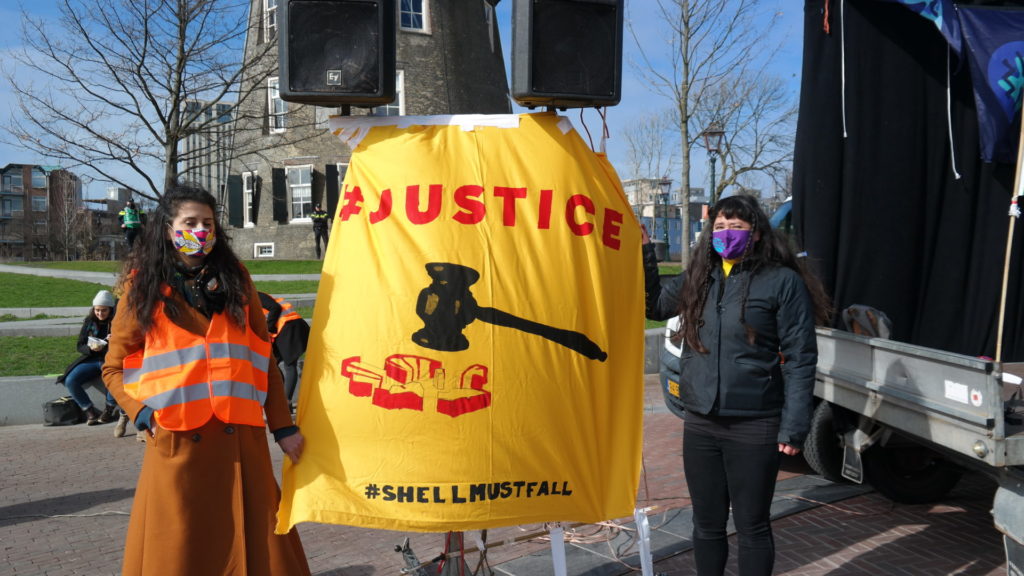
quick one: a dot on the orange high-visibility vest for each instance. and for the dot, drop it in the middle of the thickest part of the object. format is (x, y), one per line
(188, 378)
(287, 315)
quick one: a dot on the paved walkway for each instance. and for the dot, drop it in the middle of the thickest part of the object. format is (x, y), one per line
(66, 495)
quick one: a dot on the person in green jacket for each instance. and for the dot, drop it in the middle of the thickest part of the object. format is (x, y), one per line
(131, 218)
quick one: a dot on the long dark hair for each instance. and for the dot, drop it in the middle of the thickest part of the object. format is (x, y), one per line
(151, 265)
(771, 248)
(95, 322)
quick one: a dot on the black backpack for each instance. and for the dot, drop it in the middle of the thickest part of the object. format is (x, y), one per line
(62, 412)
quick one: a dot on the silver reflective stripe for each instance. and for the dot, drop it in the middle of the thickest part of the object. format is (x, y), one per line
(165, 360)
(240, 352)
(224, 388)
(178, 396)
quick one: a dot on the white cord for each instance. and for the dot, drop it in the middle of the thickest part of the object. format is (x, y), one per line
(949, 111)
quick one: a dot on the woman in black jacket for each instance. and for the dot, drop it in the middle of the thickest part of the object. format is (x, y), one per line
(748, 312)
(92, 345)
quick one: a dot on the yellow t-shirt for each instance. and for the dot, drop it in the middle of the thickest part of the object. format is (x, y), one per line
(727, 266)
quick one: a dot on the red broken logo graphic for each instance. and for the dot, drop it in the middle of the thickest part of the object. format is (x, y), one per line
(407, 381)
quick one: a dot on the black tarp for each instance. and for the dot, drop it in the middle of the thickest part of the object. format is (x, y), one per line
(880, 212)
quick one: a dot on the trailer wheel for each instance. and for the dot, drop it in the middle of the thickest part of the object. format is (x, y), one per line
(909, 473)
(823, 449)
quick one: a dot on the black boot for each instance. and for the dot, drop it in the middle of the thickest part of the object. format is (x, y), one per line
(109, 414)
(92, 416)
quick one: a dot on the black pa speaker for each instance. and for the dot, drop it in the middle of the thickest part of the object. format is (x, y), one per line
(337, 52)
(567, 53)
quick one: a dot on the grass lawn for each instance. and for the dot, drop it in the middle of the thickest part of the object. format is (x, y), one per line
(254, 266)
(288, 286)
(34, 356)
(82, 265)
(13, 318)
(284, 266)
(38, 291)
(21, 291)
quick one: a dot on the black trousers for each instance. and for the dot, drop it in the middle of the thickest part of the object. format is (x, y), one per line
(720, 473)
(130, 234)
(290, 374)
(319, 233)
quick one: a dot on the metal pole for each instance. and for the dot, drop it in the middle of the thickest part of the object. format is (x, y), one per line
(713, 191)
(664, 221)
(654, 217)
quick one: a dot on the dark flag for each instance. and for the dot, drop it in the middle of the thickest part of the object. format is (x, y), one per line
(942, 13)
(995, 47)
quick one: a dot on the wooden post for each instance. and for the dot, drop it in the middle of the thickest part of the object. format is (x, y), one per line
(1015, 211)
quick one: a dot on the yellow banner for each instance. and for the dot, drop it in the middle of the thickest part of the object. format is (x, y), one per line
(476, 356)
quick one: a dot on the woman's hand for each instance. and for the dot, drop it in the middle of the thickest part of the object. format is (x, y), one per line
(292, 446)
(788, 450)
(645, 238)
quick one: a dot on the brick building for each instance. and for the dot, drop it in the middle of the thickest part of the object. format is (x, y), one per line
(449, 61)
(40, 211)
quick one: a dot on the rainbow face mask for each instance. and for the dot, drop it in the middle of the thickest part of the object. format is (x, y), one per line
(195, 242)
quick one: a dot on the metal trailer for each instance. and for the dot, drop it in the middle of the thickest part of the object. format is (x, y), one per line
(908, 419)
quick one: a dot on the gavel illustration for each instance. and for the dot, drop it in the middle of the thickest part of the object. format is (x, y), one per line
(447, 306)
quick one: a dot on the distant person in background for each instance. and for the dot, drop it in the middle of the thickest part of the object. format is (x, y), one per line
(92, 345)
(320, 217)
(131, 218)
(289, 335)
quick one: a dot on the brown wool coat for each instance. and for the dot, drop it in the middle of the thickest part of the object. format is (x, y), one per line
(207, 499)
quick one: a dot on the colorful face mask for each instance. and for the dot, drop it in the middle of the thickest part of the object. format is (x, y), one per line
(195, 242)
(730, 244)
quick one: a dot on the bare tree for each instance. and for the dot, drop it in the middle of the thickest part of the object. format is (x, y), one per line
(647, 146)
(121, 83)
(66, 217)
(717, 53)
(758, 114)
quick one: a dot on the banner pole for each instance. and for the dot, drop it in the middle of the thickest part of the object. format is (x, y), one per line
(1014, 214)
(558, 550)
(643, 538)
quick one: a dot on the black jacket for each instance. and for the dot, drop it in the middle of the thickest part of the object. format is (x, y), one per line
(96, 329)
(290, 343)
(736, 378)
(319, 218)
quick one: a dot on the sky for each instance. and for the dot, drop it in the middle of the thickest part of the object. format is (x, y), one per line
(638, 100)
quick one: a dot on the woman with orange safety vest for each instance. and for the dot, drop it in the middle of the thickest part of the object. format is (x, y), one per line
(289, 335)
(189, 362)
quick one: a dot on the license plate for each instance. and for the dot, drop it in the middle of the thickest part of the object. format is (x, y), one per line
(673, 387)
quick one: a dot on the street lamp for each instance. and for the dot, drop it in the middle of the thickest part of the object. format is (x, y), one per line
(665, 186)
(713, 135)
